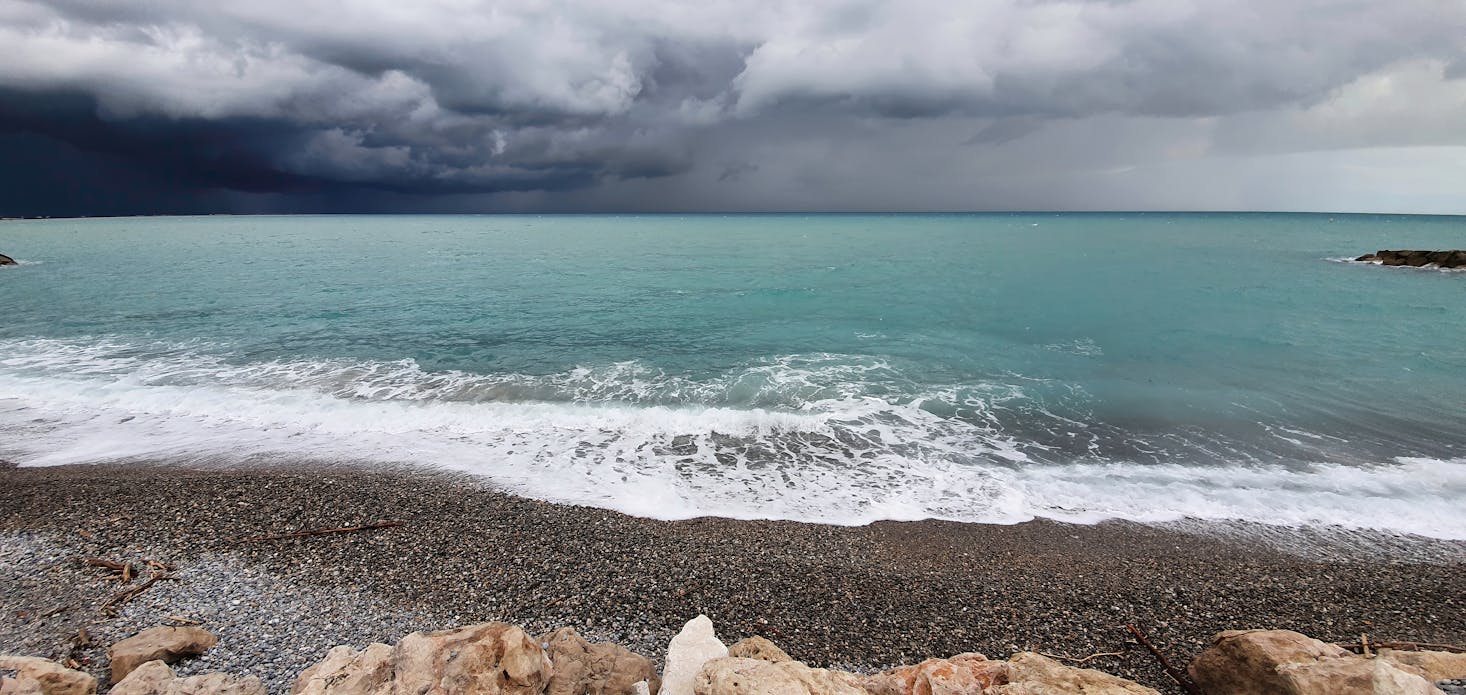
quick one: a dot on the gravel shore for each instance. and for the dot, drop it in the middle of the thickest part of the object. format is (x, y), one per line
(847, 597)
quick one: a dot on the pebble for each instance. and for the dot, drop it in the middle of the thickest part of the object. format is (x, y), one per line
(855, 598)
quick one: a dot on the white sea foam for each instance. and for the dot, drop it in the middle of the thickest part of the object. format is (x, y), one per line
(816, 438)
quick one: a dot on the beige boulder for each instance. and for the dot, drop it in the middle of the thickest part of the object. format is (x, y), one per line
(1036, 674)
(1435, 666)
(346, 670)
(582, 668)
(758, 648)
(1352, 676)
(169, 644)
(35, 676)
(1283, 662)
(745, 676)
(484, 659)
(964, 674)
(694, 646)
(155, 678)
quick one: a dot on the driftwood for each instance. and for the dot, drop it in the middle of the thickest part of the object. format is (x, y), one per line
(1361, 646)
(124, 596)
(320, 532)
(1171, 671)
(1080, 660)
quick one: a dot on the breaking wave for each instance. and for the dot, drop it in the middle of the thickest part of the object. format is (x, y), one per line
(831, 438)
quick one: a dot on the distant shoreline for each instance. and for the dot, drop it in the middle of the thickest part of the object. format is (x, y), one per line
(856, 597)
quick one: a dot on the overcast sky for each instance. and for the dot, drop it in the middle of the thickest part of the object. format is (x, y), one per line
(163, 106)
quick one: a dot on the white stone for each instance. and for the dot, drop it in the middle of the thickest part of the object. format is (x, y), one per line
(696, 645)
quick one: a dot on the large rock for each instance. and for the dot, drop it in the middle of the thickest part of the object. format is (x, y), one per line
(346, 670)
(694, 646)
(758, 648)
(582, 668)
(1435, 666)
(964, 674)
(1443, 259)
(34, 676)
(1351, 676)
(1283, 662)
(745, 676)
(1036, 674)
(484, 659)
(170, 644)
(155, 678)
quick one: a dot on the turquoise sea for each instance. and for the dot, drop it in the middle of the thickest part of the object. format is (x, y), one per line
(837, 368)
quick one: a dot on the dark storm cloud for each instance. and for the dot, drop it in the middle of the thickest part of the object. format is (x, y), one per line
(654, 104)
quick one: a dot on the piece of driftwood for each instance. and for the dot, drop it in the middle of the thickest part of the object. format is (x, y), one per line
(126, 595)
(1080, 660)
(320, 532)
(1171, 671)
(122, 570)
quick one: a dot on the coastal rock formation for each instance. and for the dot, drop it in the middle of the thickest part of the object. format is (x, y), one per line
(34, 676)
(484, 659)
(1036, 674)
(1435, 666)
(169, 644)
(1417, 259)
(694, 646)
(964, 673)
(6, 260)
(582, 668)
(1283, 662)
(758, 648)
(745, 676)
(155, 678)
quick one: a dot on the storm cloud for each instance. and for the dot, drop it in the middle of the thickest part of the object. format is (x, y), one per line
(311, 105)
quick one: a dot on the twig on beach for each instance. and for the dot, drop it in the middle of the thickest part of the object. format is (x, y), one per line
(122, 570)
(1361, 646)
(1171, 671)
(122, 597)
(1079, 660)
(319, 532)
(182, 620)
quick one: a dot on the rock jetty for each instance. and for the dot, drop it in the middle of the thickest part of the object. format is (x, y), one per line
(1417, 259)
(502, 659)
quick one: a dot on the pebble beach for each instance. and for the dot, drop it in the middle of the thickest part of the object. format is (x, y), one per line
(858, 598)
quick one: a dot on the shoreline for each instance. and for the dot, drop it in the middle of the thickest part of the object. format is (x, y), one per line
(861, 597)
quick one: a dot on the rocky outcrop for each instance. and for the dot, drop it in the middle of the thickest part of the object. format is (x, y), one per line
(6, 260)
(744, 676)
(694, 646)
(582, 668)
(758, 648)
(169, 644)
(960, 675)
(1435, 666)
(484, 659)
(34, 676)
(1036, 674)
(1283, 662)
(1417, 259)
(155, 678)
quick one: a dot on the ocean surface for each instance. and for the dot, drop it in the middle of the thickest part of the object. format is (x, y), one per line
(834, 368)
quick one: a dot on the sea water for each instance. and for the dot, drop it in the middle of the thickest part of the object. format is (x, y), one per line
(833, 368)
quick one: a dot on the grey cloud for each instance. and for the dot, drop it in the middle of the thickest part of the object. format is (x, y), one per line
(815, 103)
